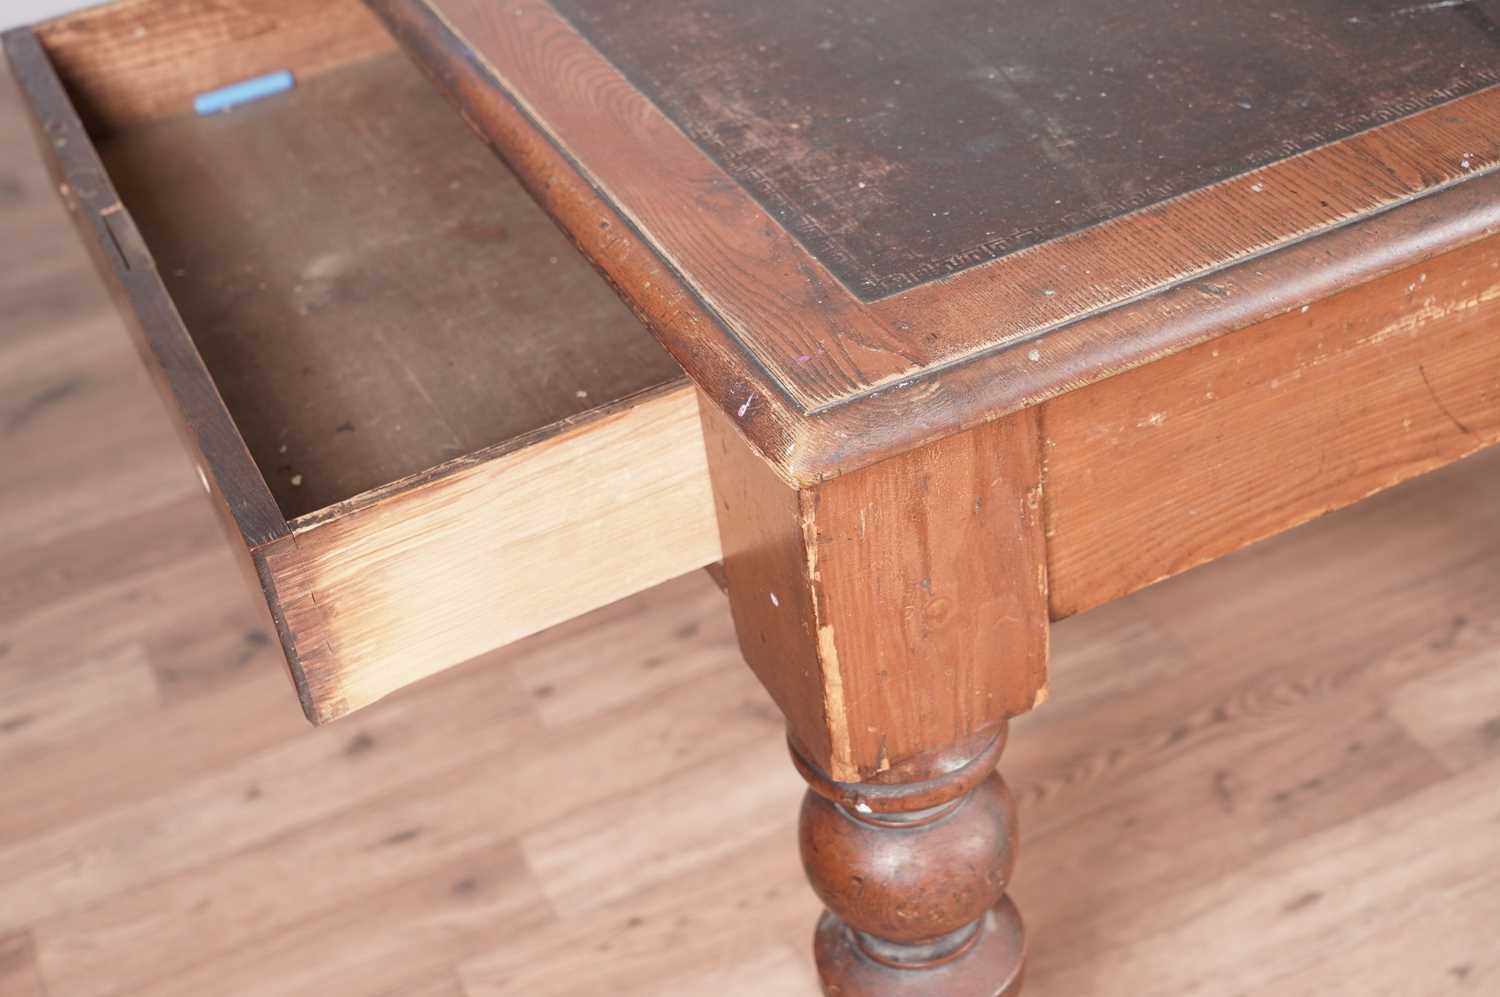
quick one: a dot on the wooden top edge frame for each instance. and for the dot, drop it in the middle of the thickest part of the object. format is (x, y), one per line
(822, 383)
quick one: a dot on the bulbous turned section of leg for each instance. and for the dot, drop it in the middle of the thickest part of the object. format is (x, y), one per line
(914, 876)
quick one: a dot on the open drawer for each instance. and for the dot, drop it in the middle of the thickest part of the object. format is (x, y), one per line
(431, 426)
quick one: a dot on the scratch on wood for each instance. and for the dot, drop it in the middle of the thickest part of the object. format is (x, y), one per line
(1427, 8)
(1422, 370)
(1430, 312)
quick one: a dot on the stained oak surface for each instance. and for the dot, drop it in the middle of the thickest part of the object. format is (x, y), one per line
(903, 141)
(371, 290)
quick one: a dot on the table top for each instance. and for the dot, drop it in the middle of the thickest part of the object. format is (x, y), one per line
(860, 224)
(900, 143)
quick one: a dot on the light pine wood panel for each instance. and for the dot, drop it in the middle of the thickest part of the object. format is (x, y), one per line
(135, 937)
(582, 870)
(165, 926)
(618, 947)
(443, 985)
(378, 594)
(1454, 713)
(555, 671)
(249, 801)
(44, 378)
(60, 700)
(1391, 905)
(402, 937)
(18, 973)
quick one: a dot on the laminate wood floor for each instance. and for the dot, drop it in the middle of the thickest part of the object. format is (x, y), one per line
(1278, 775)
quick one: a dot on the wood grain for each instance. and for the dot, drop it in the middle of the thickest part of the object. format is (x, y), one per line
(224, 463)
(1170, 836)
(1418, 856)
(1349, 423)
(133, 60)
(756, 316)
(365, 597)
(914, 889)
(1189, 458)
(18, 972)
(380, 592)
(888, 623)
(1442, 342)
(357, 340)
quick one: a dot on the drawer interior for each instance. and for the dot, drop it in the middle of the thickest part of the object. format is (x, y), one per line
(371, 290)
(428, 425)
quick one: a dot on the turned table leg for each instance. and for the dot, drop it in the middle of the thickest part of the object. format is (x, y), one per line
(897, 614)
(914, 876)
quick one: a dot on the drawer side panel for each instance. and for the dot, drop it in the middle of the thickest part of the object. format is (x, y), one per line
(125, 264)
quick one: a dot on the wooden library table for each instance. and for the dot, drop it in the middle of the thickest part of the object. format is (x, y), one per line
(989, 314)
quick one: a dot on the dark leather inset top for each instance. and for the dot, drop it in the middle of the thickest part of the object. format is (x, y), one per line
(901, 139)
